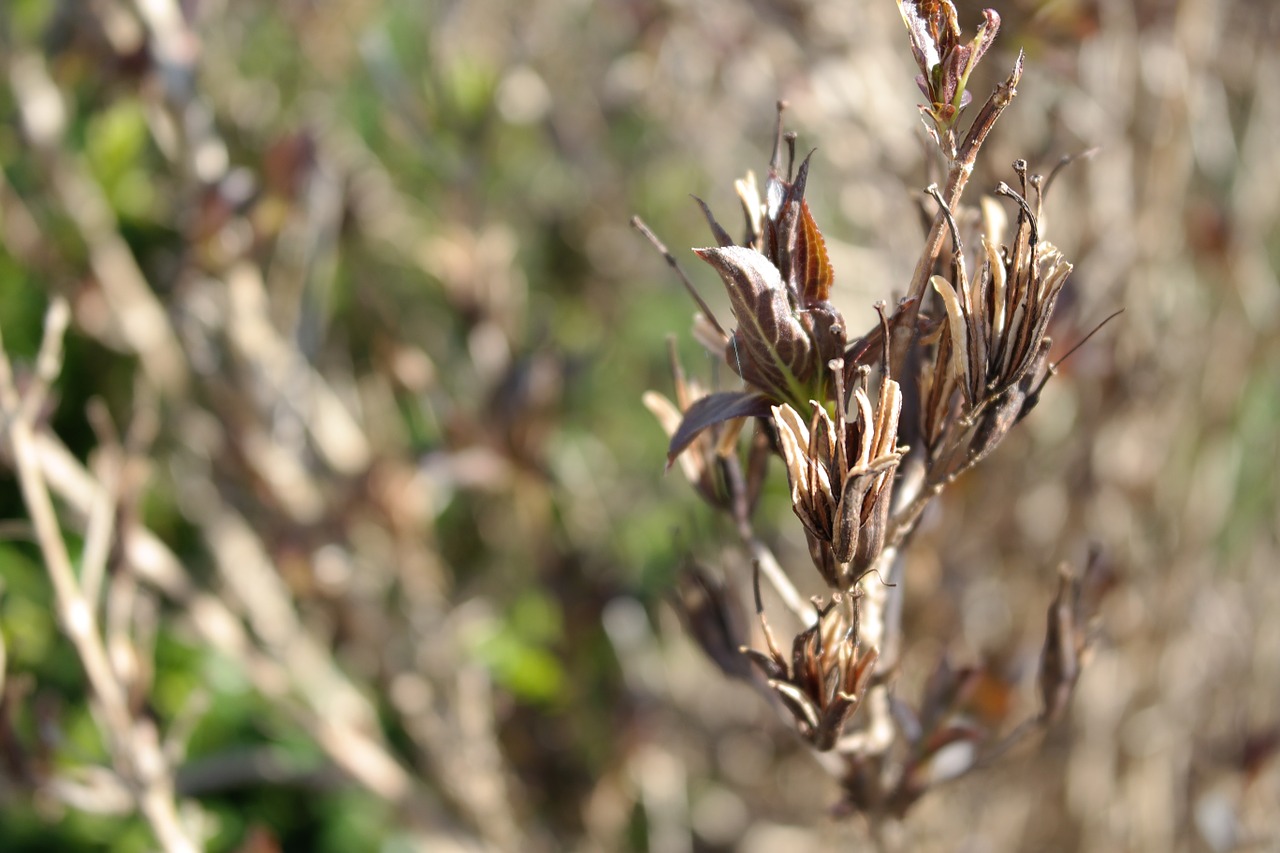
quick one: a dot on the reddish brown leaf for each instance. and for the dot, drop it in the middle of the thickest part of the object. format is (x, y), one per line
(817, 274)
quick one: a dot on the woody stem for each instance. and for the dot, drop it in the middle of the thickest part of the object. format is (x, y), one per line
(904, 333)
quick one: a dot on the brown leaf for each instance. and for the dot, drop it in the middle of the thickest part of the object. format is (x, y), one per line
(722, 237)
(1063, 642)
(812, 251)
(714, 409)
(772, 347)
(715, 619)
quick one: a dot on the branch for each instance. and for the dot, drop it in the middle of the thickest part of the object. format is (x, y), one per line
(904, 332)
(133, 743)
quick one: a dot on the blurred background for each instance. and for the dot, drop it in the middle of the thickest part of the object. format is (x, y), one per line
(349, 453)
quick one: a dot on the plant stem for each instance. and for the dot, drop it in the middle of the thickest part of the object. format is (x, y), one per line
(903, 333)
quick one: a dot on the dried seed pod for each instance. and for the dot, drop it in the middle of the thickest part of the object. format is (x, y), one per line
(993, 351)
(827, 674)
(714, 617)
(841, 474)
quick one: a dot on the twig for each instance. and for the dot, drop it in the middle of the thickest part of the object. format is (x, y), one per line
(761, 554)
(639, 224)
(100, 527)
(346, 744)
(143, 325)
(961, 169)
(133, 743)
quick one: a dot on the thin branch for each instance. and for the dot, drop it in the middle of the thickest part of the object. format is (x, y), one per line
(760, 553)
(961, 170)
(133, 743)
(639, 224)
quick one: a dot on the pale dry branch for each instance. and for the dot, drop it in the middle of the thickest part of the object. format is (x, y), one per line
(141, 323)
(132, 740)
(348, 742)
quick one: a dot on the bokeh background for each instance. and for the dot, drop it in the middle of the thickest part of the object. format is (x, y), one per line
(358, 337)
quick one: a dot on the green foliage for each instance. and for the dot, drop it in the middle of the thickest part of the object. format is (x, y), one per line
(517, 649)
(116, 142)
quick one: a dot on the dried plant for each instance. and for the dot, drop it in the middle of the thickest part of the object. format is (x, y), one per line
(870, 429)
(313, 573)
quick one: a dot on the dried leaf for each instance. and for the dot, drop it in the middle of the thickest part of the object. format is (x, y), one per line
(812, 249)
(714, 409)
(715, 619)
(722, 237)
(1063, 642)
(956, 328)
(773, 350)
(670, 417)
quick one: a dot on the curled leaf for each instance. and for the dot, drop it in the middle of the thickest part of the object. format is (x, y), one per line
(957, 329)
(714, 409)
(771, 349)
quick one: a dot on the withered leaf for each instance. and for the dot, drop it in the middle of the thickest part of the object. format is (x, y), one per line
(772, 344)
(812, 250)
(1063, 641)
(714, 409)
(713, 616)
(957, 328)
(722, 237)
(933, 28)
